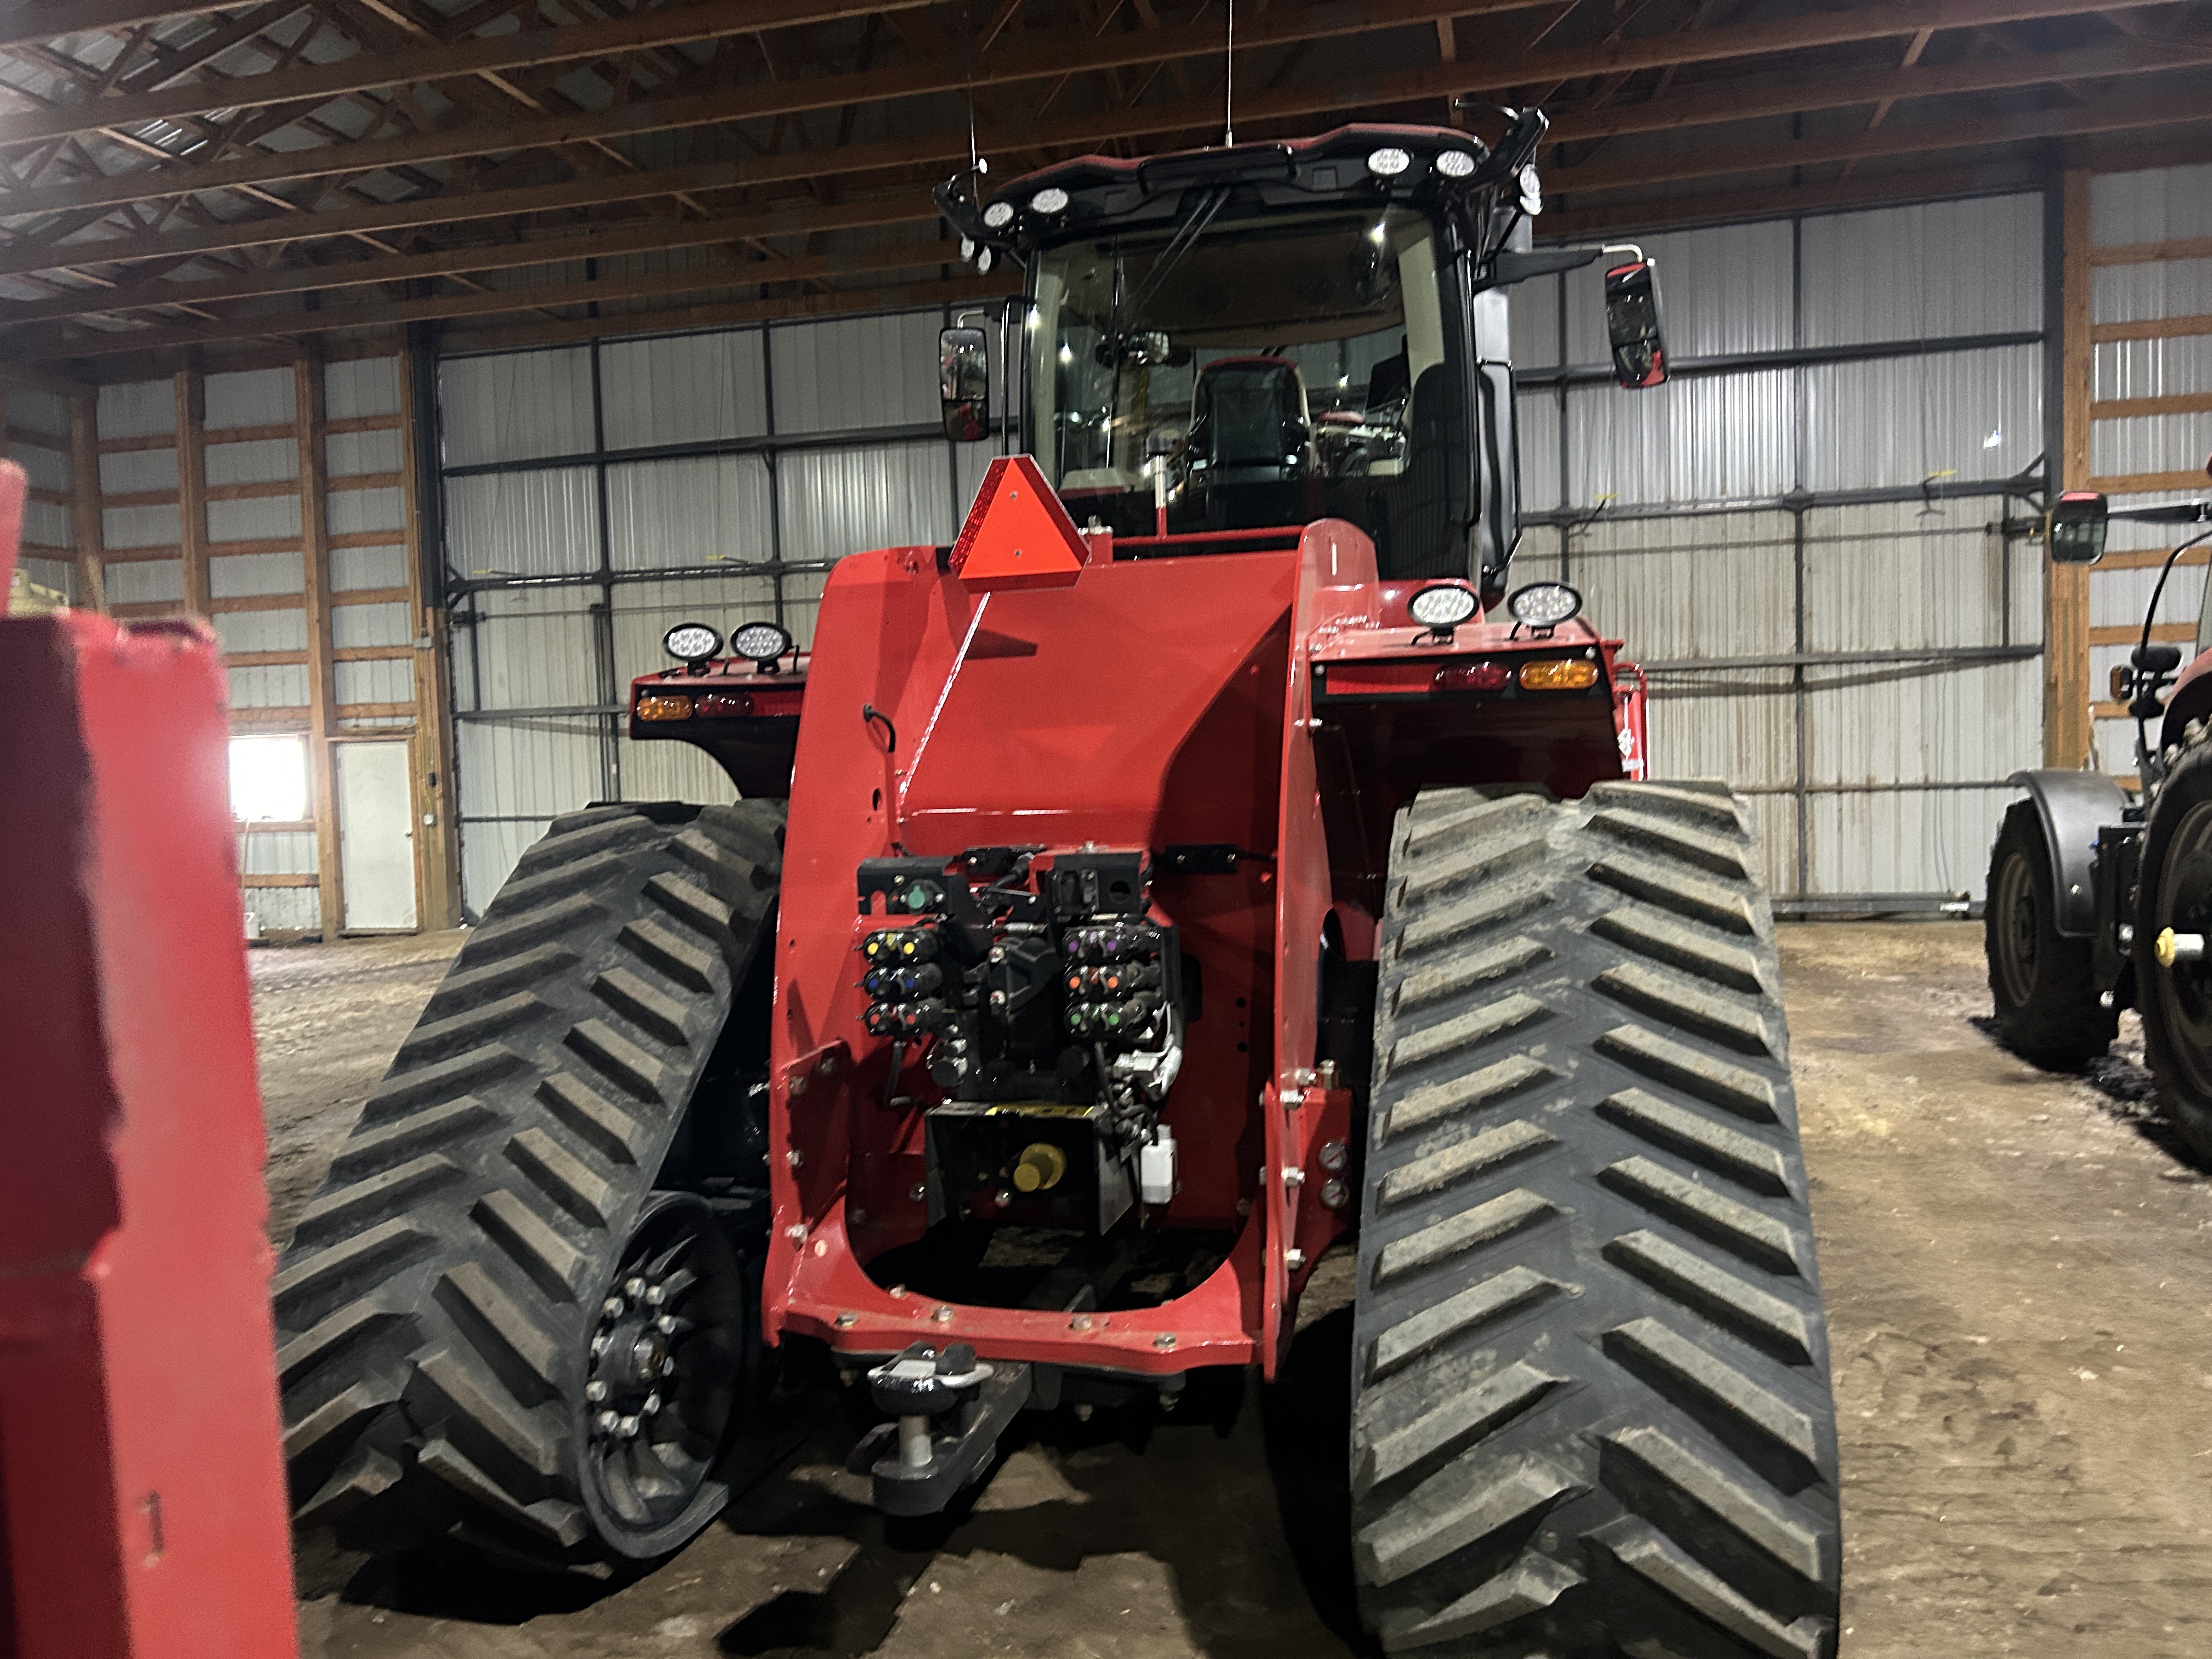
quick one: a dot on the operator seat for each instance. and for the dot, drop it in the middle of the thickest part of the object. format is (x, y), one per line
(1251, 444)
(1426, 511)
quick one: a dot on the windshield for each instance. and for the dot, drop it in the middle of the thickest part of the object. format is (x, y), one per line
(1254, 373)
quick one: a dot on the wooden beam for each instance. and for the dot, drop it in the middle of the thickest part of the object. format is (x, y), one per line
(1498, 75)
(2158, 328)
(437, 838)
(315, 566)
(192, 479)
(2181, 402)
(26, 22)
(778, 220)
(2138, 253)
(2144, 483)
(912, 297)
(1715, 161)
(2067, 735)
(386, 313)
(2150, 558)
(1784, 200)
(2129, 633)
(651, 236)
(708, 20)
(84, 485)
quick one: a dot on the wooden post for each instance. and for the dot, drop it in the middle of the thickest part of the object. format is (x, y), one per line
(437, 837)
(315, 568)
(2067, 735)
(192, 488)
(84, 500)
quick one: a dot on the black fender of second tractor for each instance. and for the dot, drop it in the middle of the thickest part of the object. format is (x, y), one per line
(2074, 807)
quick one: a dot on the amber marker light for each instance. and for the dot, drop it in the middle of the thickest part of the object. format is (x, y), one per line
(1558, 674)
(661, 706)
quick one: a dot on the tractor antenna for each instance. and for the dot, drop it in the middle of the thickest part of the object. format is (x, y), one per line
(1228, 82)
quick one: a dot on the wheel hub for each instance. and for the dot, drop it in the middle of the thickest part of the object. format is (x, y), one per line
(634, 1363)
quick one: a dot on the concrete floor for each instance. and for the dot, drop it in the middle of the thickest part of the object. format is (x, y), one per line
(2018, 1284)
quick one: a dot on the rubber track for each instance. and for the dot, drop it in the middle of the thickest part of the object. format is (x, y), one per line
(1590, 1361)
(432, 1307)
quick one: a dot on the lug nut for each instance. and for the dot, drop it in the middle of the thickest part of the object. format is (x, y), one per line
(608, 1422)
(613, 1307)
(2172, 947)
(652, 1405)
(595, 1392)
(633, 1288)
(665, 1324)
(629, 1426)
(1294, 1260)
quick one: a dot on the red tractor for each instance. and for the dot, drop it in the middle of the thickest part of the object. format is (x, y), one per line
(2097, 903)
(1199, 866)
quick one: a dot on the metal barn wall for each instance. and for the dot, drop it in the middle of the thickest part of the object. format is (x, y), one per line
(1800, 535)
(2150, 392)
(40, 439)
(277, 503)
(594, 494)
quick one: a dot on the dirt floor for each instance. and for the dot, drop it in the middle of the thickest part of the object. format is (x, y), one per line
(2018, 1286)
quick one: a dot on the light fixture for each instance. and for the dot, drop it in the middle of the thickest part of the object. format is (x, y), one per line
(1442, 606)
(1379, 235)
(692, 642)
(1067, 353)
(999, 215)
(1051, 199)
(1544, 605)
(1387, 162)
(1454, 164)
(1532, 192)
(966, 247)
(983, 261)
(759, 641)
(1558, 674)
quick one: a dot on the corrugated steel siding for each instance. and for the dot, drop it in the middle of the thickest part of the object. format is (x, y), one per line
(1916, 273)
(351, 454)
(1902, 420)
(375, 679)
(1725, 289)
(144, 581)
(267, 460)
(669, 513)
(517, 407)
(364, 387)
(137, 408)
(1718, 438)
(523, 523)
(253, 396)
(47, 469)
(46, 525)
(141, 527)
(690, 388)
(271, 685)
(2153, 368)
(356, 568)
(2168, 205)
(357, 512)
(130, 472)
(241, 575)
(836, 502)
(38, 410)
(856, 371)
(255, 518)
(284, 908)
(277, 852)
(261, 630)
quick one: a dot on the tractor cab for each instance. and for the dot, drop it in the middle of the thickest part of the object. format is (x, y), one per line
(1269, 335)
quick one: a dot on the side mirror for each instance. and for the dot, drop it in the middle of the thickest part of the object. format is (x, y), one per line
(963, 384)
(2075, 531)
(1632, 323)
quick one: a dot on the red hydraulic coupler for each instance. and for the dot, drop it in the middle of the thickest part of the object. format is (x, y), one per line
(142, 1496)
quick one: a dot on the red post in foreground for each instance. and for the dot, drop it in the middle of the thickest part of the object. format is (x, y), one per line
(142, 1499)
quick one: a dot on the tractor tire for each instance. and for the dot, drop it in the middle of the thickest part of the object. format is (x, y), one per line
(2042, 987)
(440, 1308)
(2174, 890)
(1591, 1409)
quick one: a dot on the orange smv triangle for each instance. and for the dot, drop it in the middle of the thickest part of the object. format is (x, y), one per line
(1018, 534)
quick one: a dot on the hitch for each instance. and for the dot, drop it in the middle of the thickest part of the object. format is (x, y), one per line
(951, 1409)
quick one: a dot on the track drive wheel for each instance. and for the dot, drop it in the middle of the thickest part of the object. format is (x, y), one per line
(490, 1326)
(2174, 890)
(2042, 987)
(1590, 1369)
